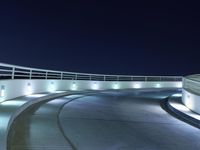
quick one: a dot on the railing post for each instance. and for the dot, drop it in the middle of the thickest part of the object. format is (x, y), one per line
(46, 75)
(90, 77)
(104, 78)
(76, 76)
(13, 72)
(145, 78)
(61, 76)
(30, 75)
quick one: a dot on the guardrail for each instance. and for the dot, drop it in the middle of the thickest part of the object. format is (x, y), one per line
(8, 71)
(191, 92)
(192, 83)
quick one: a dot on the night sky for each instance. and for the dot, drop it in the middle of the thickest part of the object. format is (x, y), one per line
(110, 37)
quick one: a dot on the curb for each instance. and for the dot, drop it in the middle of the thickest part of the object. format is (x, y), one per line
(178, 114)
(24, 107)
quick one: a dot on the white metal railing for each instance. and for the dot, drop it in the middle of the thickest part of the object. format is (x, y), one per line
(192, 83)
(8, 71)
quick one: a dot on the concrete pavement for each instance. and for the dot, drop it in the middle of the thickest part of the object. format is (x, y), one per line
(109, 120)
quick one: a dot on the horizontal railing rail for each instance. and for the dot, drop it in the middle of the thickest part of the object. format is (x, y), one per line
(8, 71)
(192, 83)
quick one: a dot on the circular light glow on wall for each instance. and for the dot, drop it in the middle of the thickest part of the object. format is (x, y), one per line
(74, 86)
(115, 86)
(95, 86)
(29, 89)
(136, 86)
(2, 92)
(157, 85)
(179, 85)
(52, 87)
(188, 100)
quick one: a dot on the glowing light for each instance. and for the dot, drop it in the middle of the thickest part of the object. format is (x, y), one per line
(2, 94)
(188, 102)
(157, 85)
(177, 95)
(74, 86)
(196, 116)
(179, 85)
(13, 103)
(95, 86)
(180, 107)
(59, 91)
(29, 89)
(116, 86)
(52, 87)
(36, 95)
(185, 110)
(137, 86)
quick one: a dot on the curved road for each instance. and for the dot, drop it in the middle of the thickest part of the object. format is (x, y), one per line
(108, 120)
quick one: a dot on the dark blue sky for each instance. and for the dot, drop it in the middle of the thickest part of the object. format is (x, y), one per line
(113, 37)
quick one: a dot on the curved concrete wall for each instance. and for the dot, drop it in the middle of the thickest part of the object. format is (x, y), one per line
(191, 92)
(13, 88)
(191, 100)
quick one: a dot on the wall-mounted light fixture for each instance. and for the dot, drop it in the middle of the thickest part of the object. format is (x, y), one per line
(74, 86)
(115, 86)
(157, 85)
(95, 86)
(136, 86)
(2, 93)
(52, 86)
(179, 85)
(29, 89)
